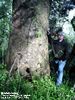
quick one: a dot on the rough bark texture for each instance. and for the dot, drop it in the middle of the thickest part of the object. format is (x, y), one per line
(28, 45)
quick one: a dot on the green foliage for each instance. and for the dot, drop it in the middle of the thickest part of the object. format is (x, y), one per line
(5, 26)
(39, 89)
(3, 77)
(5, 6)
(46, 90)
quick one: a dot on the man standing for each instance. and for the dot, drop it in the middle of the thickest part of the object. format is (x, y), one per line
(60, 51)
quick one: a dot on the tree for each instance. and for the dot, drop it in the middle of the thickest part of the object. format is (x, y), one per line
(28, 45)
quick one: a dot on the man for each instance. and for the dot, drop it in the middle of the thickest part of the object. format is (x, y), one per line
(60, 51)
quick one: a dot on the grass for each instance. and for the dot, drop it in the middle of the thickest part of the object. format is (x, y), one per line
(41, 88)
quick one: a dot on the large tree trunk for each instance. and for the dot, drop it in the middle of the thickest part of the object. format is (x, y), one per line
(28, 45)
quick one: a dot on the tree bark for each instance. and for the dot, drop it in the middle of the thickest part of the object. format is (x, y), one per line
(28, 45)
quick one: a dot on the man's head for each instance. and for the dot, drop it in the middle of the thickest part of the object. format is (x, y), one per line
(61, 36)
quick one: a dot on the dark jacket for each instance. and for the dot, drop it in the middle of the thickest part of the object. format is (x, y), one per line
(60, 48)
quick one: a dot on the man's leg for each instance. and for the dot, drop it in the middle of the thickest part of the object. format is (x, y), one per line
(61, 65)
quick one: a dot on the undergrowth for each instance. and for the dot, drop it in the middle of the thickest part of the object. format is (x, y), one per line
(41, 88)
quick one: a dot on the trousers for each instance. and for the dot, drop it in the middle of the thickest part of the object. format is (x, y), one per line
(60, 71)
